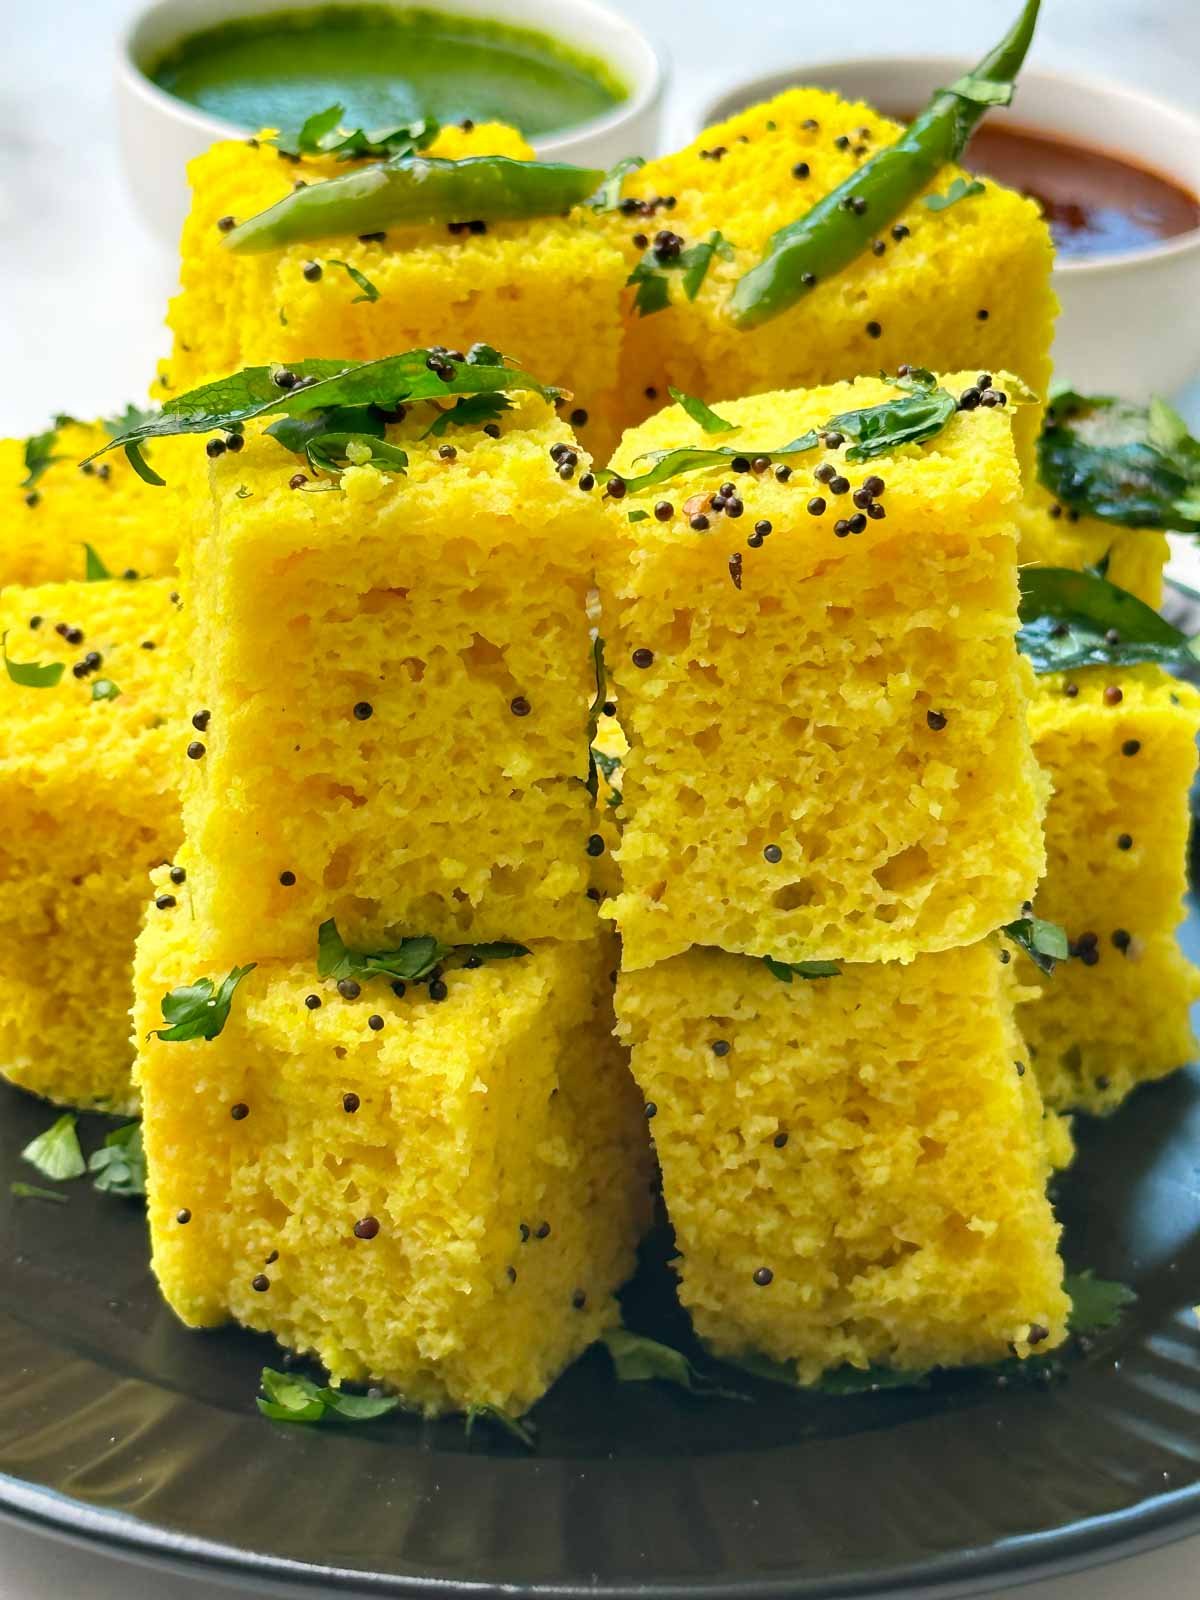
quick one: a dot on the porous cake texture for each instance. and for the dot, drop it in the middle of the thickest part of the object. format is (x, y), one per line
(967, 286)
(1051, 536)
(438, 1196)
(546, 291)
(829, 753)
(855, 1167)
(1120, 749)
(47, 516)
(390, 692)
(89, 803)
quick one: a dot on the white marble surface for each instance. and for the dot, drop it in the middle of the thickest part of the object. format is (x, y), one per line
(82, 291)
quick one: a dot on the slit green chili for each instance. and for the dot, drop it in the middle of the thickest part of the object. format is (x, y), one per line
(418, 190)
(841, 226)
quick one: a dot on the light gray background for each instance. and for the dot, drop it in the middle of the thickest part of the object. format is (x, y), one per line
(83, 287)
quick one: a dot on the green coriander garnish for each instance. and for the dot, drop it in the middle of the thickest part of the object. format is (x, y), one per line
(199, 1010)
(94, 568)
(637, 1359)
(119, 1166)
(960, 189)
(290, 1397)
(56, 1153)
(1045, 943)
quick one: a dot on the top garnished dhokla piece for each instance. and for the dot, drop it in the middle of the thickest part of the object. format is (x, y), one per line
(546, 288)
(814, 660)
(958, 277)
(391, 655)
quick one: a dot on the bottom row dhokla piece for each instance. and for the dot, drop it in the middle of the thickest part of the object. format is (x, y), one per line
(855, 1167)
(441, 1195)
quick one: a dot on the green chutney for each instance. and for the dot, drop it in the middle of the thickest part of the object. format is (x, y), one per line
(386, 66)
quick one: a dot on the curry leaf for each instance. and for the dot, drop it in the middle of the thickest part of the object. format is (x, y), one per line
(411, 960)
(879, 430)
(785, 971)
(1135, 466)
(31, 674)
(701, 413)
(136, 459)
(1078, 619)
(668, 464)
(594, 710)
(126, 421)
(317, 385)
(360, 280)
(39, 456)
(469, 411)
(199, 1010)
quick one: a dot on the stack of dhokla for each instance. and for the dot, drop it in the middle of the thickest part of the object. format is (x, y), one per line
(830, 761)
(965, 286)
(439, 1183)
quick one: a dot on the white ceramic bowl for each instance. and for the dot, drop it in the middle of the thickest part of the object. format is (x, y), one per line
(160, 134)
(1130, 323)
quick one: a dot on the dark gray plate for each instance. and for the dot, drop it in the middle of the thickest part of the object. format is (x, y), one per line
(118, 1426)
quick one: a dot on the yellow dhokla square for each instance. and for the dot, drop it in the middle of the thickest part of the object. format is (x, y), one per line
(1120, 749)
(443, 1199)
(88, 804)
(390, 688)
(855, 1167)
(131, 525)
(547, 291)
(1133, 558)
(967, 287)
(832, 759)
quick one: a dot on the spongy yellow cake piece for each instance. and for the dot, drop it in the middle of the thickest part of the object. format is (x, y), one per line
(131, 525)
(830, 760)
(1133, 558)
(855, 1167)
(442, 1200)
(88, 805)
(390, 690)
(1120, 749)
(963, 287)
(546, 291)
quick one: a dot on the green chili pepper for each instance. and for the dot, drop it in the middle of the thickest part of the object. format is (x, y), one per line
(840, 227)
(414, 190)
